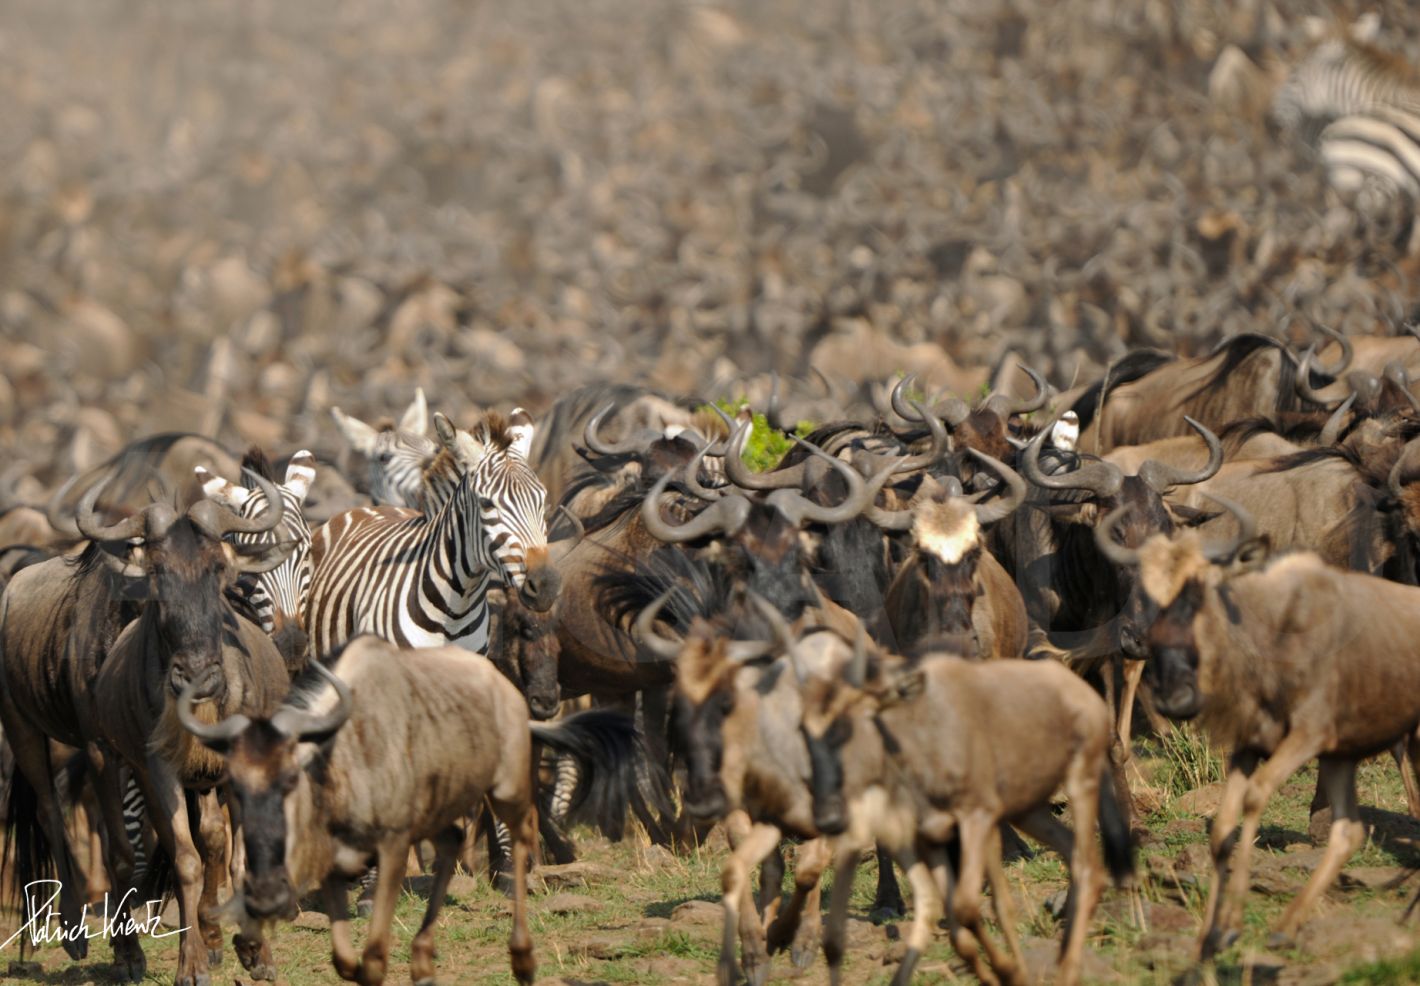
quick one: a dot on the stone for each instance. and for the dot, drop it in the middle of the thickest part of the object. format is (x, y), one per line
(1200, 801)
(565, 903)
(698, 912)
(1375, 877)
(312, 921)
(578, 874)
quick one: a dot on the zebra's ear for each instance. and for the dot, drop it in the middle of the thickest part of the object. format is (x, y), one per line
(300, 474)
(1366, 28)
(466, 450)
(359, 435)
(520, 429)
(416, 416)
(225, 492)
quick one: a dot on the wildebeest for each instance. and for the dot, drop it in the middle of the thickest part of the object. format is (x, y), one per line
(321, 797)
(914, 755)
(69, 674)
(1281, 659)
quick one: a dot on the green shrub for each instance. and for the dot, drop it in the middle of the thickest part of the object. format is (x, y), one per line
(766, 445)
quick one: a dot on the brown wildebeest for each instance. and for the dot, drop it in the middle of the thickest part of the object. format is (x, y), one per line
(69, 675)
(1282, 660)
(916, 755)
(320, 795)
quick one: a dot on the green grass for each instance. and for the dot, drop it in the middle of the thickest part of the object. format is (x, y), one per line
(1388, 972)
(766, 445)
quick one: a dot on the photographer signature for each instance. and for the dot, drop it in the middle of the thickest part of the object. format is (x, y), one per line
(44, 925)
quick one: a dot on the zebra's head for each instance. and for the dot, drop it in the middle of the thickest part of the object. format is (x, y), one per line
(278, 597)
(511, 502)
(395, 453)
(1341, 73)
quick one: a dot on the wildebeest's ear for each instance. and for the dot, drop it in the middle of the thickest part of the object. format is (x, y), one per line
(1251, 555)
(1191, 516)
(903, 687)
(416, 416)
(360, 435)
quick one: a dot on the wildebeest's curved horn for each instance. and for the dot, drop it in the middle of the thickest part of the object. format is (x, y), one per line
(1007, 406)
(579, 530)
(1162, 477)
(692, 476)
(954, 412)
(901, 520)
(663, 647)
(745, 478)
(1304, 384)
(88, 521)
(783, 634)
(1332, 430)
(989, 513)
(798, 508)
(1103, 479)
(726, 514)
(1247, 527)
(308, 727)
(1396, 375)
(215, 736)
(217, 519)
(1104, 538)
(592, 439)
(1348, 352)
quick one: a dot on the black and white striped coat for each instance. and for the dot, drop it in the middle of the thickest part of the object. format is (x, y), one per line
(421, 580)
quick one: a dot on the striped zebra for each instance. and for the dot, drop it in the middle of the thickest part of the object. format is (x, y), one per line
(1361, 107)
(396, 454)
(421, 580)
(277, 597)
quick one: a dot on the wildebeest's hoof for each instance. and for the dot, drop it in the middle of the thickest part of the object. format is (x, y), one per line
(1218, 940)
(726, 974)
(77, 948)
(1279, 940)
(364, 908)
(804, 953)
(887, 914)
(214, 957)
(428, 981)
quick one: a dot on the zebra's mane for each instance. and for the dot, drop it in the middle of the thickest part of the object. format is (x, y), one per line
(496, 430)
(255, 459)
(1381, 62)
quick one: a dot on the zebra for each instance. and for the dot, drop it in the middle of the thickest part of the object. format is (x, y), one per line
(395, 454)
(278, 597)
(1361, 108)
(421, 580)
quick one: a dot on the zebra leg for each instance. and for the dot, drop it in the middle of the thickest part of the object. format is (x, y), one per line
(121, 804)
(500, 853)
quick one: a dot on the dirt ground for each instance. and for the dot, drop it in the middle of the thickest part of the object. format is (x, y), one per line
(635, 913)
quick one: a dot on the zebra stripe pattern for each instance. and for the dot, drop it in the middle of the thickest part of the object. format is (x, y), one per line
(397, 455)
(1362, 106)
(133, 823)
(422, 581)
(279, 596)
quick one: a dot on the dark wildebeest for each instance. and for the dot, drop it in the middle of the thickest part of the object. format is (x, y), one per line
(67, 673)
(1282, 660)
(321, 797)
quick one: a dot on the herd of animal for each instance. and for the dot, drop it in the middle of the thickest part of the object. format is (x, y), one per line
(914, 632)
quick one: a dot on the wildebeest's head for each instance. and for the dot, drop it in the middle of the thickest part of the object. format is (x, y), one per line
(263, 769)
(1178, 575)
(526, 650)
(187, 568)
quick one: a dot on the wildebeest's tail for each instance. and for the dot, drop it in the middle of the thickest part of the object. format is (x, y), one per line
(27, 856)
(609, 755)
(1114, 832)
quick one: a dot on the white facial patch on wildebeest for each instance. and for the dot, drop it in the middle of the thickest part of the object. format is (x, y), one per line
(1066, 432)
(1165, 566)
(947, 529)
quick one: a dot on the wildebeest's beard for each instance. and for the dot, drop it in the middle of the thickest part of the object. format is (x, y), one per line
(849, 567)
(702, 736)
(263, 771)
(826, 775)
(1172, 668)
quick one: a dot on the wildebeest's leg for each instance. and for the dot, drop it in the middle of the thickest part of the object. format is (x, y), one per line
(421, 950)
(212, 845)
(1222, 836)
(1001, 901)
(167, 802)
(812, 859)
(1295, 750)
(336, 894)
(34, 777)
(1082, 784)
(834, 932)
(1407, 759)
(771, 885)
(751, 844)
(926, 909)
(391, 860)
(887, 899)
(521, 819)
(127, 952)
(251, 947)
(974, 830)
(1133, 674)
(1347, 835)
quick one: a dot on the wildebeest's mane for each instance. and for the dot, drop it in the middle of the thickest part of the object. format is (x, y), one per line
(255, 459)
(1238, 433)
(1127, 369)
(134, 465)
(1234, 351)
(1310, 455)
(623, 502)
(700, 588)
